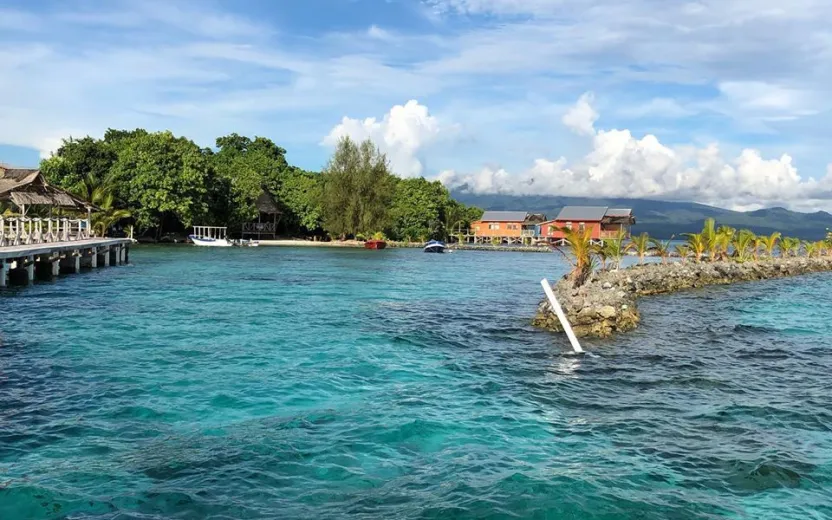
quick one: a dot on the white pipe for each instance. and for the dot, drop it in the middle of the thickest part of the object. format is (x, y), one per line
(547, 288)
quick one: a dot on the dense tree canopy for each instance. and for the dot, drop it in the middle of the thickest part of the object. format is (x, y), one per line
(168, 183)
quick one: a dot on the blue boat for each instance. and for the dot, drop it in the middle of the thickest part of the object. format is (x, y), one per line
(435, 246)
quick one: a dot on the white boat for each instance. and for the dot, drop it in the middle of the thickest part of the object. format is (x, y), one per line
(435, 246)
(210, 236)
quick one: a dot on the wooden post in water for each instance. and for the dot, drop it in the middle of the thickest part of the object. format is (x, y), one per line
(547, 288)
(4, 273)
(30, 269)
(94, 257)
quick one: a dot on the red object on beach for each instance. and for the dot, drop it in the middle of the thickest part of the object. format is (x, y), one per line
(375, 244)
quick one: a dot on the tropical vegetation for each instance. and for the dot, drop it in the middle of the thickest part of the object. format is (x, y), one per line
(160, 183)
(709, 245)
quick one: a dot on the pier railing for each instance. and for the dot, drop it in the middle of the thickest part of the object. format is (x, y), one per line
(17, 231)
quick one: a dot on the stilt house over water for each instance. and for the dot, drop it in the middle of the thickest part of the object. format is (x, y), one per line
(29, 215)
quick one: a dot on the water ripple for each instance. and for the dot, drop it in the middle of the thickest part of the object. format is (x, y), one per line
(327, 383)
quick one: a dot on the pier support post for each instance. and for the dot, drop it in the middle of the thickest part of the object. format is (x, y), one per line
(71, 263)
(56, 265)
(4, 273)
(106, 257)
(30, 269)
(123, 254)
(94, 257)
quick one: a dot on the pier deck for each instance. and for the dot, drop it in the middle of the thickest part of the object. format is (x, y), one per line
(22, 262)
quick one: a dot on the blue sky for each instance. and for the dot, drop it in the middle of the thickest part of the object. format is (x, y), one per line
(721, 102)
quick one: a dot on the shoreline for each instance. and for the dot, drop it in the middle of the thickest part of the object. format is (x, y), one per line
(607, 303)
(403, 245)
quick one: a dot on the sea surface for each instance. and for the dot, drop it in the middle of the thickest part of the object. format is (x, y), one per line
(329, 383)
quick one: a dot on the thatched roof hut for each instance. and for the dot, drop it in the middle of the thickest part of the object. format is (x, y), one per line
(27, 187)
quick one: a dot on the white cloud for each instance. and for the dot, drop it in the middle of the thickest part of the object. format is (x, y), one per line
(621, 165)
(402, 134)
(581, 117)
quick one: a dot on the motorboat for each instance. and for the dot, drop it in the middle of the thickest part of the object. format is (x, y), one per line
(210, 236)
(435, 246)
(375, 244)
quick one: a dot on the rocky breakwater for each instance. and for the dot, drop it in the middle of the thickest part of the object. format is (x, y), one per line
(606, 303)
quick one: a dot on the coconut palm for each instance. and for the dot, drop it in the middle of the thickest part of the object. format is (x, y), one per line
(683, 252)
(769, 243)
(698, 244)
(724, 238)
(789, 246)
(615, 248)
(580, 244)
(811, 249)
(709, 238)
(640, 244)
(743, 242)
(600, 251)
(662, 248)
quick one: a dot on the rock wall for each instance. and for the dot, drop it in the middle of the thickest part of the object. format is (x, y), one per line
(607, 302)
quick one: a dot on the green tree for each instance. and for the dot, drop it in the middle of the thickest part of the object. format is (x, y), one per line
(698, 244)
(357, 190)
(662, 248)
(163, 179)
(418, 209)
(709, 239)
(640, 244)
(743, 243)
(300, 196)
(770, 242)
(683, 252)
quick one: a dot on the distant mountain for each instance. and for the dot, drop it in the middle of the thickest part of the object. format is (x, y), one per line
(663, 218)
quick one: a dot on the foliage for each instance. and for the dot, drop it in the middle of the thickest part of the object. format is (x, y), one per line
(769, 243)
(789, 246)
(661, 248)
(640, 244)
(724, 239)
(580, 245)
(683, 252)
(743, 243)
(709, 238)
(698, 244)
(357, 189)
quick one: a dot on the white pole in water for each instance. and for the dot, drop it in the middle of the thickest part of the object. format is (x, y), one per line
(547, 288)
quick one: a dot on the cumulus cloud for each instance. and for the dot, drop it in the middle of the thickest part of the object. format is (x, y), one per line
(582, 116)
(402, 134)
(622, 165)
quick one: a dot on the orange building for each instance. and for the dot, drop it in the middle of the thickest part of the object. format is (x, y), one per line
(602, 221)
(500, 224)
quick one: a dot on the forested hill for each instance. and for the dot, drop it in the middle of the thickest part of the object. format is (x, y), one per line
(663, 219)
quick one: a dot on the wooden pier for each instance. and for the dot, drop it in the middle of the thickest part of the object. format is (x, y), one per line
(21, 264)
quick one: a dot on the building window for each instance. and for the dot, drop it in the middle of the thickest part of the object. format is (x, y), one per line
(568, 225)
(581, 226)
(494, 226)
(551, 229)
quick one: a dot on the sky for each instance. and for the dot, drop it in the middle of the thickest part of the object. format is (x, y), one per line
(722, 102)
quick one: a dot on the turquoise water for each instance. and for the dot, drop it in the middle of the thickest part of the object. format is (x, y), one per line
(316, 383)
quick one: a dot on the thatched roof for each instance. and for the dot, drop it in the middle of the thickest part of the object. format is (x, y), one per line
(266, 203)
(28, 187)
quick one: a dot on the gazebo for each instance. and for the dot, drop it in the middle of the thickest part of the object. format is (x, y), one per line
(266, 207)
(26, 188)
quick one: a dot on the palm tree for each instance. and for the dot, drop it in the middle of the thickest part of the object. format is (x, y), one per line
(662, 248)
(580, 244)
(724, 237)
(698, 244)
(743, 242)
(709, 238)
(683, 252)
(789, 246)
(600, 251)
(99, 191)
(640, 244)
(811, 249)
(615, 248)
(770, 243)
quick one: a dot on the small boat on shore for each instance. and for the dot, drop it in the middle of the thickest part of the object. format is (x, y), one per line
(375, 244)
(210, 236)
(435, 246)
